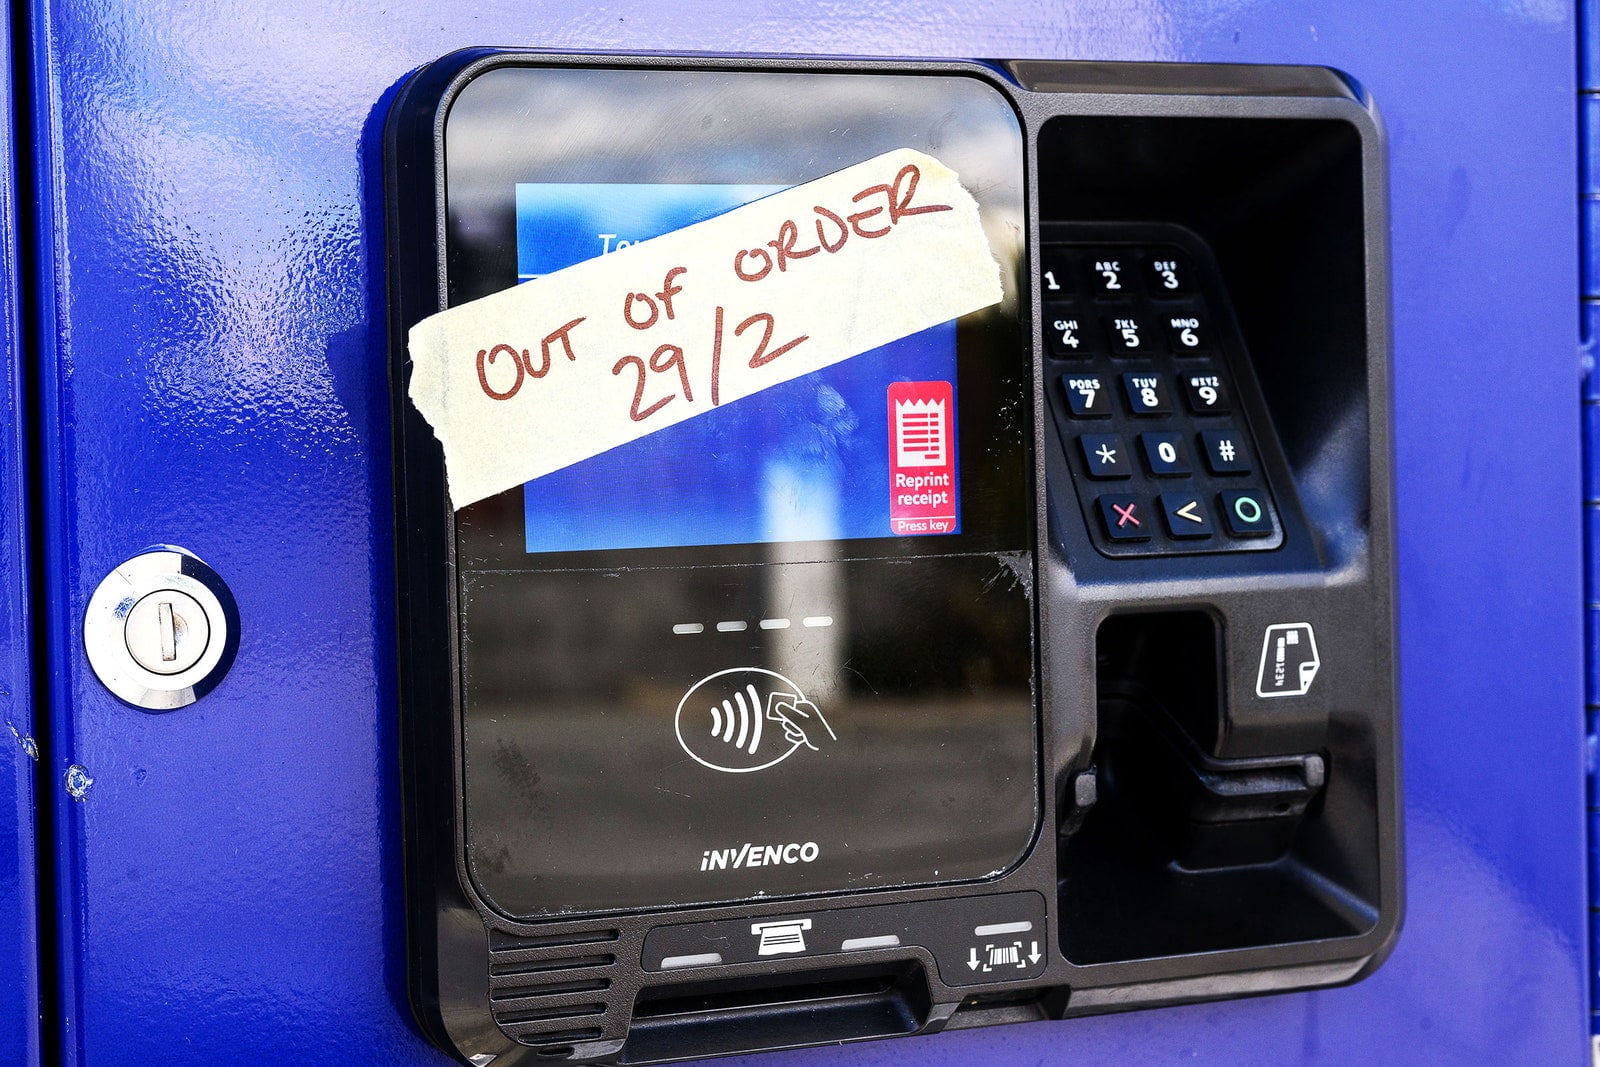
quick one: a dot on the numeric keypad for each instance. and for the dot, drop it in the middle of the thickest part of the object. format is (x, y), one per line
(1162, 457)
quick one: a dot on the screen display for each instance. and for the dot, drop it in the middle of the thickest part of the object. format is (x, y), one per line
(868, 447)
(846, 557)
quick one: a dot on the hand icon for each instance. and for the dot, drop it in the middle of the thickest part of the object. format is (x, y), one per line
(794, 713)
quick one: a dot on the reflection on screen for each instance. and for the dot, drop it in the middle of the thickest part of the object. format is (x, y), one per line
(865, 448)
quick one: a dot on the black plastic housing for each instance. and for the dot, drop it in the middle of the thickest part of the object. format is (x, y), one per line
(1197, 840)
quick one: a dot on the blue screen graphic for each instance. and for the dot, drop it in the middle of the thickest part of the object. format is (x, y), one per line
(808, 460)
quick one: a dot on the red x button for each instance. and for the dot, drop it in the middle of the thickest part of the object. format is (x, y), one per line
(1125, 518)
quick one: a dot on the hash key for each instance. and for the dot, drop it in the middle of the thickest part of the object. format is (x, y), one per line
(1225, 451)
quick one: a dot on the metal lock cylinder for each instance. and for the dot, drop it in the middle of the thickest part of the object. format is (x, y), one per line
(161, 630)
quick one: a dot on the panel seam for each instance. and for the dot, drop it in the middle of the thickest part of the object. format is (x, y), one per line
(1588, 116)
(33, 139)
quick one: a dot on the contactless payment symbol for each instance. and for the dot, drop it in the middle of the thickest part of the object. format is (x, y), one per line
(747, 719)
(922, 460)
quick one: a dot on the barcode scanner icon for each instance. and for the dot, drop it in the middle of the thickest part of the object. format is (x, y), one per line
(748, 719)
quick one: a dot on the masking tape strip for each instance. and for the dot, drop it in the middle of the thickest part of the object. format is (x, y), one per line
(545, 374)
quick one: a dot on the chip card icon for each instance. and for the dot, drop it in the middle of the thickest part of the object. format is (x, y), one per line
(1289, 660)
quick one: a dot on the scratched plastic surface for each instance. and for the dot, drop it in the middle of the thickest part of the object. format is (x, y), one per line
(230, 883)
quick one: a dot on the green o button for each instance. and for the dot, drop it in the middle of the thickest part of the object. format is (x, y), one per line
(1245, 513)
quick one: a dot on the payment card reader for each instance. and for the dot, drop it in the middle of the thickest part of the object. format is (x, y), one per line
(884, 546)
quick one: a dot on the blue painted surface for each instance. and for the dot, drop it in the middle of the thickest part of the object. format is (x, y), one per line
(1589, 242)
(231, 882)
(20, 1032)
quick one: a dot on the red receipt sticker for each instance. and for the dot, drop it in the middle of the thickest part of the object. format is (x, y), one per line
(922, 458)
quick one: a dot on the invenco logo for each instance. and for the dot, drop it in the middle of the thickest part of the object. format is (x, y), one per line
(749, 855)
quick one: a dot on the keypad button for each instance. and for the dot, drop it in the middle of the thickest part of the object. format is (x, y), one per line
(1207, 394)
(1225, 451)
(1110, 274)
(1087, 397)
(1124, 518)
(1105, 456)
(1246, 513)
(1189, 335)
(1186, 516)
(1063, 333)
(1146, 393)
(1055, 274)
(1128, 335)
(1166, 274)
(1164, 454)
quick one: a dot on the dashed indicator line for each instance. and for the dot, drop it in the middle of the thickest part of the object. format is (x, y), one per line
(733, 626)
(862, 944)
(702, 959)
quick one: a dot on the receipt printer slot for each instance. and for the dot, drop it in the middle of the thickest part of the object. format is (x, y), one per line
(726, 1017)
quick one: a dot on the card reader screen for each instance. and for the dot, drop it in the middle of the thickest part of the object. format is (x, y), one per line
(785, 646)
(865, 448)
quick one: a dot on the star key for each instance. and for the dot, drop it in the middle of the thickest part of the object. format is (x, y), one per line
(1105, 456)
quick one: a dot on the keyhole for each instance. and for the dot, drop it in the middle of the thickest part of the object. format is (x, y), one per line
(169, 631)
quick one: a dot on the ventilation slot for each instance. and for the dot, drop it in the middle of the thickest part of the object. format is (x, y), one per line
(588, 985)
(549, 990)
(500, 941)
(556, 1037)
(532, 968)
(541, 1014)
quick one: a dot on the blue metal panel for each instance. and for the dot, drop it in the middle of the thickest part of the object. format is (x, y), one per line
(1589, 280)
(231, 882)
(20, 1031)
